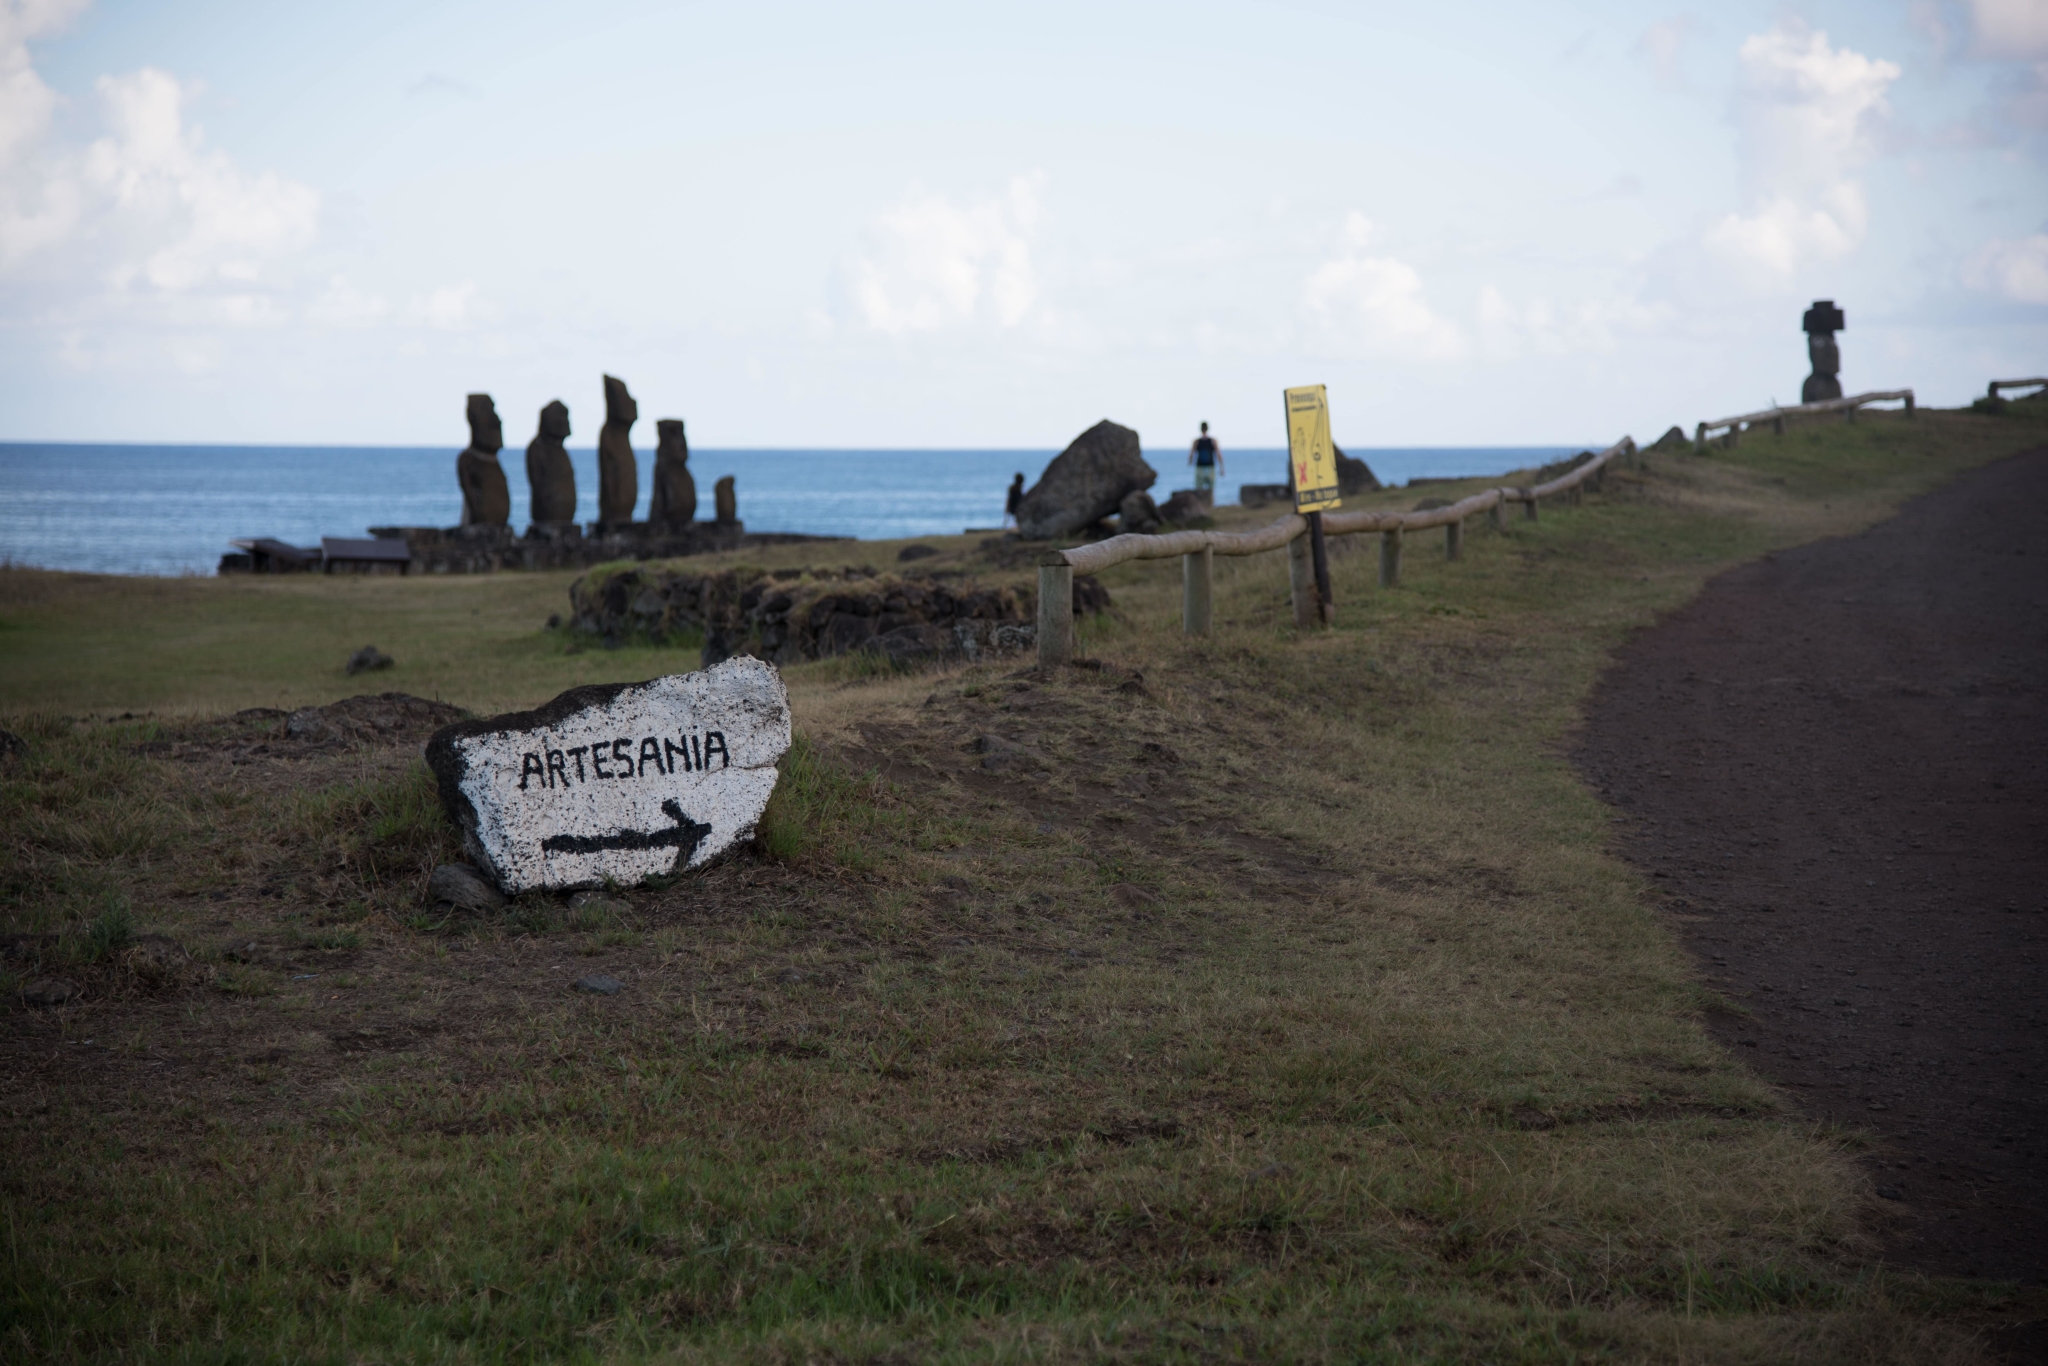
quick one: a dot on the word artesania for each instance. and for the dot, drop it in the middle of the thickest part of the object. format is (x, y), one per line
(656, 754)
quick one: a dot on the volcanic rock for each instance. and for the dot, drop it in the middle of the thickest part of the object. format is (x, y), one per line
(1085, 483)
(549, 474)
(618, 477)
(675, 492)
(1137, 512)
(726, 501)
(616, 782)
(486, 501)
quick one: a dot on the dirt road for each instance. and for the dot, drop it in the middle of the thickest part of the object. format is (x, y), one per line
(1836, 762)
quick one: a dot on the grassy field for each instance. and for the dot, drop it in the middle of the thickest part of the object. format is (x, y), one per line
(1267, 997)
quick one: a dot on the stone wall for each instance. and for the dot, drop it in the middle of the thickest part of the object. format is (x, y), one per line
(791, 615)
(488, 549)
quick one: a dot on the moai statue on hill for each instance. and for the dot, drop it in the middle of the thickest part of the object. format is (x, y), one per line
(486, 501)
(726, 501)
(1822, 321)
(674, 500)
(549, 475)
(618, 477)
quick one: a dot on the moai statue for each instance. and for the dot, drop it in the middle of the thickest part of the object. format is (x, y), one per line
(486, 501)
(1822, 321)
(618, 478)
(674, 500)
(549, 475)
(726, 501)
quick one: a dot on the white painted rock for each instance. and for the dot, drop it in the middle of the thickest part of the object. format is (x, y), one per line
(624, 781)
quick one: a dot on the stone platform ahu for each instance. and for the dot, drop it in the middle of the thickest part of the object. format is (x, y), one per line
(618, 782)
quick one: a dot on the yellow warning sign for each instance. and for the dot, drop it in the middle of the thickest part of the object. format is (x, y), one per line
(1310, 450)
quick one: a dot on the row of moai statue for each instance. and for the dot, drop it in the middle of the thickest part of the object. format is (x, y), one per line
(487, 501)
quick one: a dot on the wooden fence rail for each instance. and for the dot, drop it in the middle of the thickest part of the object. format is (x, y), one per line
(1198, 551)
(1998, 384)
(1778, 417)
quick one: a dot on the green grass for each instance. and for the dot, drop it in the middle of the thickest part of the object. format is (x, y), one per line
(1335, 1034)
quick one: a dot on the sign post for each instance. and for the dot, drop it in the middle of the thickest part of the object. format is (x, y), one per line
(1312, 461)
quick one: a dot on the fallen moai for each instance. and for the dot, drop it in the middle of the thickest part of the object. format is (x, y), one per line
(1085, 483)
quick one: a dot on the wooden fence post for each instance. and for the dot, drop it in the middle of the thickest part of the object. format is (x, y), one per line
(1909, 403)
(1390, 557)
(1528, 507)
(1301, 583)
(1778, 425)
(1454, 540)
(1197, 584)
(1700, 437)
(1055, 614)
(1498, 515)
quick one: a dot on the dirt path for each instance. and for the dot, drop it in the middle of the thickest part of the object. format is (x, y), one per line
(1836, 761)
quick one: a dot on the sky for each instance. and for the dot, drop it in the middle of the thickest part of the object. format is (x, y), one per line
(934, 225)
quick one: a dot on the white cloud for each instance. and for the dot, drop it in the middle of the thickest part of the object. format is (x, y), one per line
(1508, 331)
(2016, 269)
(446, 307)
(2009, 30)
(1805, 111)
(341, 304)
(930, 263)
(147, 203)
(1374, 304)
(1663, 44)
(191, 216)
(35, 209)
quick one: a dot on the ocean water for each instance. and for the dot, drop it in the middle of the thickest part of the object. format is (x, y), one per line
(136, 509)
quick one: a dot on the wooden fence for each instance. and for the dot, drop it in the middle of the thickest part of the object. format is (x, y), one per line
(1998, 384)
(1779, 417)
(1198, 551)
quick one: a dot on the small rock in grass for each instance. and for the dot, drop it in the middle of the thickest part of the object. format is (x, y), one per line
(1890, 1193)
(790, 977)
(915, 552)
(12, 746)
(597, 984)
(1273, 1171)
(49, 991)
(1134, 896)
(461, 885)
(368, 658)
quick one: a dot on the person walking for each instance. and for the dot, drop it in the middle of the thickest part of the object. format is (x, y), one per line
(1207, 458)
(1014, 501)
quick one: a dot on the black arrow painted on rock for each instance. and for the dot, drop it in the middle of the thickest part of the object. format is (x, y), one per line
(685, 836)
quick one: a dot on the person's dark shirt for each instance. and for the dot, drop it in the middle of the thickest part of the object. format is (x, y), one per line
(1205, 450)
(1016, 497)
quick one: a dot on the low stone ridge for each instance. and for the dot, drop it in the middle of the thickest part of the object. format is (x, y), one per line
(616, 782)
(1557, 467)
(1137, 512)
(1673, 439)
(790, 615)
(489, 550)
(1085, 483)
(379, 718)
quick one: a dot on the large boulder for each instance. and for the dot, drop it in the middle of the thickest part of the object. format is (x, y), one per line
(1085, 483)
(1353, 475)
